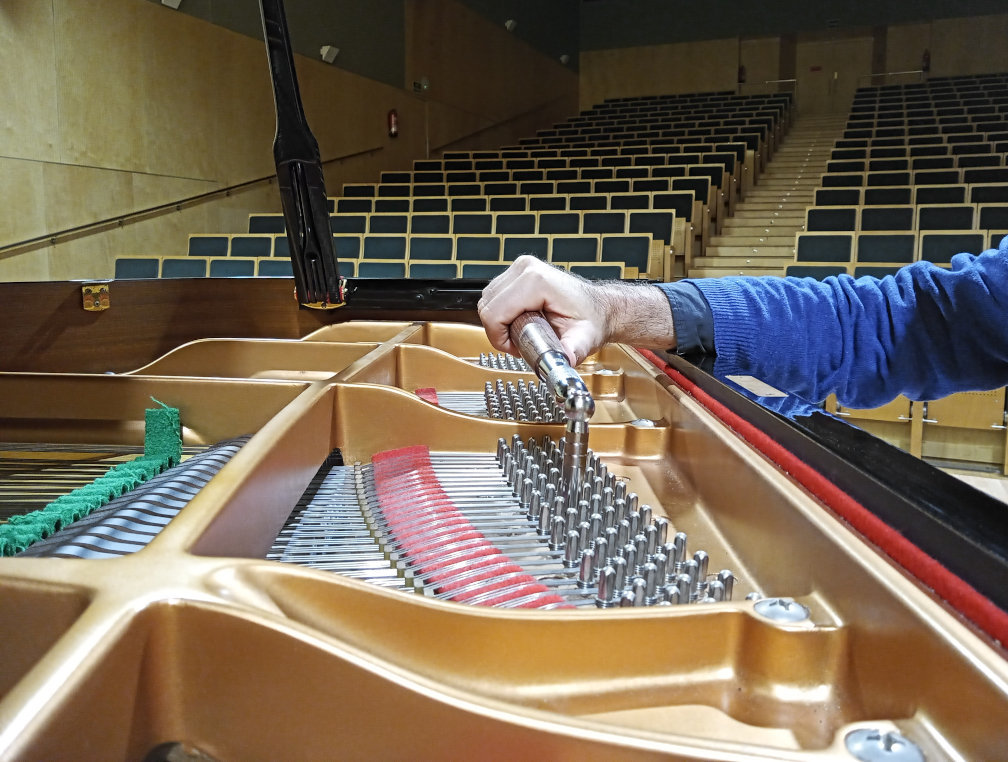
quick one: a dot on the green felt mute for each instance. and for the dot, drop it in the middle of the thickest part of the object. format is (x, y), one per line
(162, 449)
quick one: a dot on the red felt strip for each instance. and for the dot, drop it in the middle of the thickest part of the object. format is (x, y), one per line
(428, 393)
(438, 539)
(957, 592)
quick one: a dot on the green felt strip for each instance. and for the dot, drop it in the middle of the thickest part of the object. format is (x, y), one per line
(162, 449)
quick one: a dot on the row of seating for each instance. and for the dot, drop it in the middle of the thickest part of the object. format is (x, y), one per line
(202, 267)
(928, 117)
(674, 175)
(918, 150)
(681, 219)
(970, 176)
(960, 132)
(638, 252)
(893, 246)
(894, 195)
(955, 161)
(907, 217)
(657, 223)
(546, 203)
(605, 156)
(961, 85)
(143, 267)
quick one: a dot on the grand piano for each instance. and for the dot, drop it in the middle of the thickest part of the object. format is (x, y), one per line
(790, 587)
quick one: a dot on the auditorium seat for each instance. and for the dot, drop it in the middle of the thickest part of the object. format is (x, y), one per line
(393, 205)
(599, 271)
(604, 222)
(430, 223)
(547, 203)
(282, 268)
(887, 195)
(420, 269)
(579, 248)
(946, 217)
(887, 218)
(250, 246)
(508, 203)
(632, 250)
(344, 206)
(478, 248)
(837, 197)
(522, 223)
(824, 247)
(230, 267)
(940, 194)
(589, 202)
(536, 246)
(550, 223)
(185, 267)
(992, 217)
(472, 223)
(830, 218)
(348, 223)
(271, 223)
(468, 204)
(208, 245)
(940, 246)
(887, 247)
(430, 247)
(384, 246)
(381, 269)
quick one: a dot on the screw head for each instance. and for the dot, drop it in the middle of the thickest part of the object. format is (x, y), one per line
(874, 745)
(781, 609)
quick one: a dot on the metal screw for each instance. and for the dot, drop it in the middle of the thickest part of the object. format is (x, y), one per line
(873, 745)
(781, 610)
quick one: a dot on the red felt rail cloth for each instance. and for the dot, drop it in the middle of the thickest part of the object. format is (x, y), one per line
(425, 521)
(957, 592)
(428, 393)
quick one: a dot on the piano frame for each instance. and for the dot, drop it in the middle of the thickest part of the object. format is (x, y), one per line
(196, 640)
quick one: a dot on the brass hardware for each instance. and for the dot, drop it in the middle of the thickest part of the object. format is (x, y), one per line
(95, 297)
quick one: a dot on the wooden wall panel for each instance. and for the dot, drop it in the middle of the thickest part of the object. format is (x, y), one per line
(676, 68)
(28, 87)
(905, 44)
(22, 198)
(99, 59)
(969, 45)
(134, 105)
(482, 77)
(762, 59)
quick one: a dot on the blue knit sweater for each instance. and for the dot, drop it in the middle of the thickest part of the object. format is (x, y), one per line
(924, 332)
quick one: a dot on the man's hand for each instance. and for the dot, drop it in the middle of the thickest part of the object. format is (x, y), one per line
(585, 314)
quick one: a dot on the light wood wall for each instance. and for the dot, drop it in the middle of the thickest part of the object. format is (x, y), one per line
(973, 45)
(111, 106)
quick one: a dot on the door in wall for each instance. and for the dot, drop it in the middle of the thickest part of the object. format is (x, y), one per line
(828, 73)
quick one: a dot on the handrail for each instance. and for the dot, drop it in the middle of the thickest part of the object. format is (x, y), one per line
(921, 72)
(68, 234)
(494, 126)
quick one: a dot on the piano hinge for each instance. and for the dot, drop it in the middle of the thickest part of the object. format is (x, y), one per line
(95, 296)
(326, 305)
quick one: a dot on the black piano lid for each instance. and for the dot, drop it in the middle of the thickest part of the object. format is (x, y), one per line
(962, 528)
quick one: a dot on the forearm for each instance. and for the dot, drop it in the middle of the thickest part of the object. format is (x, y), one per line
(636, 314)
(924, 333)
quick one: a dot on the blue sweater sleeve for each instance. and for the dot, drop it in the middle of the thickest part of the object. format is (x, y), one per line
(924, 332)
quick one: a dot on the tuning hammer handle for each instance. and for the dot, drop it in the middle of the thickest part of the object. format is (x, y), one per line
(534, 337)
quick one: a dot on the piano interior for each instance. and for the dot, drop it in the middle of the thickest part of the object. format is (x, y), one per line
(356, 559)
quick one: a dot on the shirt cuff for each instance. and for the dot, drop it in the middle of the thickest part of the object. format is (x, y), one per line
(691, 317)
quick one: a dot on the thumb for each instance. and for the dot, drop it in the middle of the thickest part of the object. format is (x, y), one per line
(577, 343)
